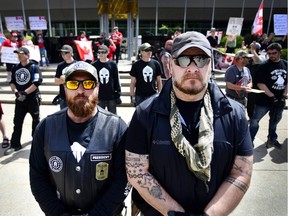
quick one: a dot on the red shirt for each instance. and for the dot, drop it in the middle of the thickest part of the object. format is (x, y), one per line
(116, 37)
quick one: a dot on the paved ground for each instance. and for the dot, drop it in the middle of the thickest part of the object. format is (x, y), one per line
(266, 196)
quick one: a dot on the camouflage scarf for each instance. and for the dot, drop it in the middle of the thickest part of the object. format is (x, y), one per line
(199, 156)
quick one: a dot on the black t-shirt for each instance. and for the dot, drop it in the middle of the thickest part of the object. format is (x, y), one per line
(274, 76)
(108, 76)
(213, 41)
(81, 132)
(59, 73)
(146, 75)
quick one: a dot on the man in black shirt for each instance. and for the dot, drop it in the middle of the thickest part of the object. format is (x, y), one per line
(77, 164)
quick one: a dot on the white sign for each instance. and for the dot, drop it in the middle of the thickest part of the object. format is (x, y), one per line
(280, 24)
(8, 55)
(37, 23)
(221, 61)
(14, 23)
(234, 26)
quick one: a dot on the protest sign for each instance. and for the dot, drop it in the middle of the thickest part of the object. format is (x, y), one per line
(280, 24)
(234, 26)
(14, 23)
(37, 23)
(221, 61)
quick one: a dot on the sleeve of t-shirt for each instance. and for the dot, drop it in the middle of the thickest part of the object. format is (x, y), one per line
(230, 76)
(259, 75)
(58, 72)
(137, 140)
(158, 69)
(133, 71)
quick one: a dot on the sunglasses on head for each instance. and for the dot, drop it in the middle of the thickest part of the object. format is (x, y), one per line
(101, 52)
(74, 84)
(185, 61)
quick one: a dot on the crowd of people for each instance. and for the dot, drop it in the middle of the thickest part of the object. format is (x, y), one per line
(85, 159)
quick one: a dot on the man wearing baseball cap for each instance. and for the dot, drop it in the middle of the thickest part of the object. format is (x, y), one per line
(145, 76)
(77, 164)
(66, 53)
(25, 81)
(185, 146)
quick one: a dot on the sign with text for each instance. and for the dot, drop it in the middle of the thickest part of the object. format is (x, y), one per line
(234, 26)
(8, 55)
(14, 23)
(280, 24)
(37, 22)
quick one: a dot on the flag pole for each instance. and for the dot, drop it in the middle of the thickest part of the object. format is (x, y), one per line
(268, 28)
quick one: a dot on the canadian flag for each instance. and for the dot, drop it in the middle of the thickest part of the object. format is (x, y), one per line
(257, 27)
(85, 50)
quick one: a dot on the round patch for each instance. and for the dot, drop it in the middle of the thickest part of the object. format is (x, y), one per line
(22, 76)
(55, 164)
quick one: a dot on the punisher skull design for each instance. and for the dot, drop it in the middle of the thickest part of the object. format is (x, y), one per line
(147, 73)
(104, 76)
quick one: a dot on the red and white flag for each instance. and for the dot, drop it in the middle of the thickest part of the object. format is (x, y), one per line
(85, 50)
(257, 27)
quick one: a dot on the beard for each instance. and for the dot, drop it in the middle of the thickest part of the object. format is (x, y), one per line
(81, 105)
(192, 89)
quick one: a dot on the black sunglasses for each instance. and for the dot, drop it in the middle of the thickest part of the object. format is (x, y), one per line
(185, 61)
(147, 50)
(101, 52)
(64, 53)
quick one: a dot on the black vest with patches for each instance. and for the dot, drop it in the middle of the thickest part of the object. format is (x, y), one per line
(81, 184)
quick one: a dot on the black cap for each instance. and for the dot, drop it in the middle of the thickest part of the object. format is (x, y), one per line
(22, 50)
(189, 40)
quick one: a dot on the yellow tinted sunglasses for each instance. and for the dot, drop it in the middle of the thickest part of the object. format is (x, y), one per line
(74, 84)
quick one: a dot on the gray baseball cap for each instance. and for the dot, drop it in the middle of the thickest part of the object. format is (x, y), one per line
(243, 54)
(145, 46)
(66, 48)
(80, 66)
(188, 40)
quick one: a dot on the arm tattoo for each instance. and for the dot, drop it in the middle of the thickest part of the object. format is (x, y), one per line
(248, 169)
(241, 185)
(145, 180)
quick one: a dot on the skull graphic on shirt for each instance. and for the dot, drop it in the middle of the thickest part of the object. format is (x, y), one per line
(147, 73)
(104, 76)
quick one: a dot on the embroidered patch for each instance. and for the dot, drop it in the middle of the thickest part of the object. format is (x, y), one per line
(55, 164)
(102, 169)
(100, 157)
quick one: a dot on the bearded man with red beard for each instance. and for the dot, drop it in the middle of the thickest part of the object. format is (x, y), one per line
(77, 164)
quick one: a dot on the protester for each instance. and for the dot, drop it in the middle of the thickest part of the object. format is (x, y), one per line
(165, 56)
(103, 40)
(25, 82)
(77, 164)
(179, 163)
(145, 76)
(177, 32)
(212, 38)
(271, 77)
(82, 36)
(6, 142)
(10, 42)
(67, 54)
(109, 82)
(238, 78)
(254, 62)
(230, 43)
(41, 43)
(116, 37)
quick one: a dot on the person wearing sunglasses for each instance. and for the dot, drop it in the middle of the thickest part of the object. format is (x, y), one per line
(25, 81)
(109, 82)
(66, 53)
(238, 78)
(184, 147)
(77, 164)
(271, 77)
(145, 76)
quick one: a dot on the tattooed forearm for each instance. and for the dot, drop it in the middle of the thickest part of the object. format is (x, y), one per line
(241, 185)
(137, 172)
(244, 159)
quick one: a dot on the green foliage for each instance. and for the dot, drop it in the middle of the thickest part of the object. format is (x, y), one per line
(239, 40)
(284, 54)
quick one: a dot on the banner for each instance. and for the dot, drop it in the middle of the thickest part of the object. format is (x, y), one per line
(84, 50)
(257, 27)
(221, 61)
(14, 23)
(280, 24)
(37, 23)
(234, 26)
